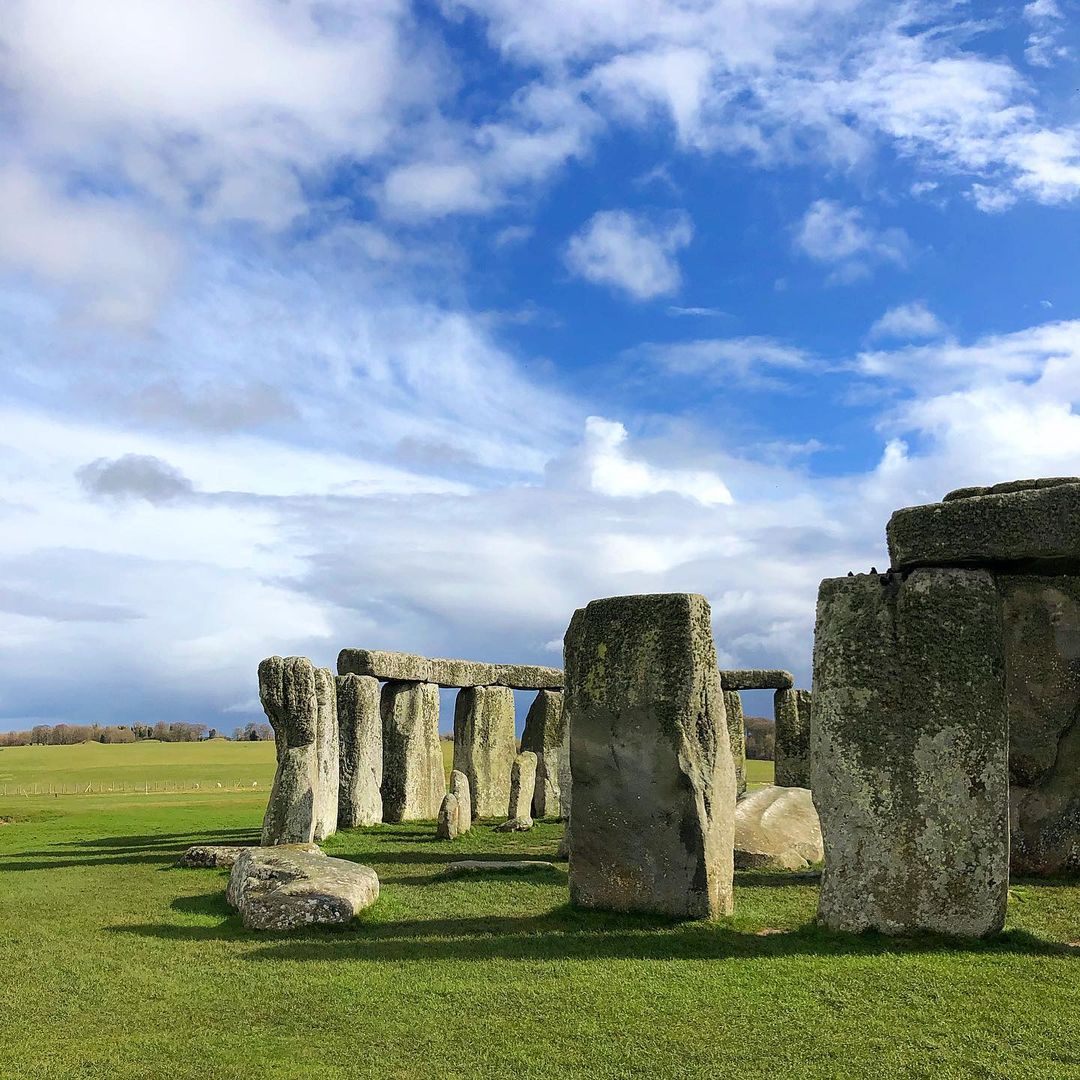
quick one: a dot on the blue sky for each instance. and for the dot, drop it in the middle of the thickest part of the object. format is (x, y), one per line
(416, 326)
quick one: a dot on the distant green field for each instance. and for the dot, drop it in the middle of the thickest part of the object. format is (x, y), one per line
(230, 764)
(157, 765)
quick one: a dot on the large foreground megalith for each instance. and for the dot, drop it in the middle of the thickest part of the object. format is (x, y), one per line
(360, 751)
(547, 735)
(654, 785)
(485, 745)
(288, 694)
(413, 781)
(910, 753)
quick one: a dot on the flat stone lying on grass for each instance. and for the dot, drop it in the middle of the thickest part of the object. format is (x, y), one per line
(212, 856)
(407, 667)
(283, 888)
(756, 679)
(777, 828)
(473, 866)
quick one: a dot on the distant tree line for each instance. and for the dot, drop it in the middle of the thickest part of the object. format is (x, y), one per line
(179, 731)
(760, 738)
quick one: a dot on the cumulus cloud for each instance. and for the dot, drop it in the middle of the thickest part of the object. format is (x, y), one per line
(832, 233)
(912, 320)
(630, 252)
(134, 476)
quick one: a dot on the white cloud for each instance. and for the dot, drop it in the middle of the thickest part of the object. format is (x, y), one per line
(912, 320)
(1044, 48)
(747, 361)
(630, 252)
(832, 233)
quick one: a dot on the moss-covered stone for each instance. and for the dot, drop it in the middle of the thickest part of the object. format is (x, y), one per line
(407, 667)
(1029, 526)
(360, 751)
(909, 753)
(485, 745)
(756, 679)
(1042, 659)
(654, 785)
(736, 725)
(413, 781)
(547, 735)
(326, 751)
(791, 709)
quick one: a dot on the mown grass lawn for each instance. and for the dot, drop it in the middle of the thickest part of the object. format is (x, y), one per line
(115, 964)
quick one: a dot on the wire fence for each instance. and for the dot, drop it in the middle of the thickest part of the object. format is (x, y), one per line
(126, 787)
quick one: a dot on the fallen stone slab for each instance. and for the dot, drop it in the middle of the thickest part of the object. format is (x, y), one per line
(1029, 527)
(283, 888)
(213, 856)
(474, 866)
(407, 667)
(777, 828)
(757, 679)
(909, 753)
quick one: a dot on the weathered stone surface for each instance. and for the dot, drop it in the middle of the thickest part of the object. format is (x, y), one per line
(485, 745)
(449, 823)
(756, 679)
(288, 695)
(480, 866)
(736, 726)
(1031, 528)
(413, 782)
(547, 735)
(360, 750)
(405, 667)
(522, 789)
(214, 856)
(1010, 486)
(459, 788)
(909, 753)
(777, 828)
(1042, 661)
(283, 888)
(792, 754)
(654, 784)
(326, 752)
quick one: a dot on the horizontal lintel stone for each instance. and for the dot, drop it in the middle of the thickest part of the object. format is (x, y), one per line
(1017, 526)
(757, 679)
(407, 667)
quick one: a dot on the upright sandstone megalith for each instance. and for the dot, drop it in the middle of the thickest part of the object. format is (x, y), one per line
(360, 751)
(288, 695)
(522, 787)
(459, 788)
(792, 738)
(413, 781)
(547, 735)
(485, 745)
(736, 725)
(654, 784)
(910, 753)
(326, 751)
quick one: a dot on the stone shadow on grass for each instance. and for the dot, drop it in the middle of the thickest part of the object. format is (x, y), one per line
(565, 933)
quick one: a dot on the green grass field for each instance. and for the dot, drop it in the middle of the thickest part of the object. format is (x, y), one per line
(115, 964)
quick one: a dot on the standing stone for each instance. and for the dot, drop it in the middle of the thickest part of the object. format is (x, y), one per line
(413, 782)
(459, 788)
(326, 749)
(449, 824)
(1042, 662)
(547, 735)
(360, 742)
(736, 726)
(522, 790)
(485, 745)
(910, 753)
(287, 692)
(654, 783)
(792, 753)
